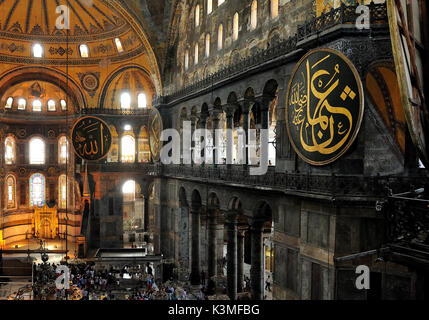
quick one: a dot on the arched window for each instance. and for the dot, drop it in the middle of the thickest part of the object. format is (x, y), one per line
(186, 60)
(10, 151)
(235, 26)
(11, 192)
(274, 8)
(196, 54)
(220, 2)
(220, 38)
(37, 151)
(128, 149)
(22, 104)
(37, 190)
(37, 105)
(125, 100)
(129, 190)
(254, 15)
(142, 100)
(52, 106)
(37, 51)
(63, 105)
(9, 103)
(207, 45)
(209, 6)
(197, 15)
(84, 51)
(63, 149)
(118, 44)
(62, 191)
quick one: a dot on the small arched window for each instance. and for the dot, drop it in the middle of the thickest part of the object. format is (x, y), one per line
(207, 45)
(63, 105)
(142, 101)
(63, 150)
(118, 44)
(196, 54)
(37, 50)
(62, 191)
(220, 2)
(37, 106)
(220, 38)
(52, 106)
(10, 151)
(37, 151)
(84, 51)
(11, 192)
(254, 15)
(209, 6)
(128, 149)
(125, 100)
(274, 8)
(22, 104)
(197, 15)
(9, 103)
(235, 26)
(37, 190)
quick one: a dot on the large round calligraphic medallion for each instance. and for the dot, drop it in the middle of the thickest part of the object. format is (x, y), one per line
(155, 129)
(324, 106)
(91, 138)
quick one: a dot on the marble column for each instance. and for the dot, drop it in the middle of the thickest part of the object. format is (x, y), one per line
(212, 225)
(246, 126)
(203, 148)
(230, 135)
(216, 120)
(136, 141)
(231, 256)
(257, 267)
(240, 260)
(220, 225)
(195, 259)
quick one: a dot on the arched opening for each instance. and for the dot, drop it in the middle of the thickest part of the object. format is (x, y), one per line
(207, 47)
(63, 150)
(37, 151)
(220, 38)
(62, 192)
(10, 151)
(128, 148)
(144, 147)
(254, 15)
(235, 25)
(133, 215)
(11, 192)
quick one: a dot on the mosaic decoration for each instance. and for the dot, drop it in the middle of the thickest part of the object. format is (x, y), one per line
(90, 81)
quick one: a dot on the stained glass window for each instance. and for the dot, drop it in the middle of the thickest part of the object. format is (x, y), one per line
(37, 190)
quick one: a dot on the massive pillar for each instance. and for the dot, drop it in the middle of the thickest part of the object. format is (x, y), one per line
(231, 255)
(195, 259)
(220, 224)
(257, 267)
(212, 225)
(240, 260)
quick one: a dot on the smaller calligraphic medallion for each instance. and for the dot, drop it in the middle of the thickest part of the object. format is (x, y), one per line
(155, 129)
(91, 138)
(324, 107)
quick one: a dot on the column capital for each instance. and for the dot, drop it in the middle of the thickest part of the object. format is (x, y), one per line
(264, 101)
(256, 224)
(230, 217)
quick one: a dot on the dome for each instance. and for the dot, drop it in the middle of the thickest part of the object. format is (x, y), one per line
(94, 24)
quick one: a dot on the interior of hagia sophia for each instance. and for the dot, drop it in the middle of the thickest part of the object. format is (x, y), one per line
(215, 64)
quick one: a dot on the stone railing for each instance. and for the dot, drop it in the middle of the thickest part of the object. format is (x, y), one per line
(333, 185)
(342, 16)
(408, 218)
(116, 112)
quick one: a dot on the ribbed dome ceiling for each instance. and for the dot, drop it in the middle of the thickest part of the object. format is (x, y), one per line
(27, 19)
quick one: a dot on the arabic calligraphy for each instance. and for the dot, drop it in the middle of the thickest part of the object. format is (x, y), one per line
(324, 106)
(91, 138)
